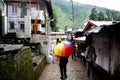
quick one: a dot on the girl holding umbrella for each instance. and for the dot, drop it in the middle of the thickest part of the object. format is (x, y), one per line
(63, 66)
(63, 50)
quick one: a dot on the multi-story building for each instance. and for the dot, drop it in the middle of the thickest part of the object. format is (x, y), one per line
(29, 21)
(28, 18)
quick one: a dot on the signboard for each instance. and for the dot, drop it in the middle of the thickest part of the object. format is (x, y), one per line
(37, 38)
(43, 38)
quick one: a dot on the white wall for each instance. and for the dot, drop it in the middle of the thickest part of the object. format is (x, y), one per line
(5, 28)
(31, 14)
(13, 15)
(45, 48)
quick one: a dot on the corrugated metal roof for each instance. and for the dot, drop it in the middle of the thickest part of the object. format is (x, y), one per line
(99, 23)
(108, 27)
(92, 24)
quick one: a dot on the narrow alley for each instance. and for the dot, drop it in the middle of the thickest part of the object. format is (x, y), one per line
(32, 32)
(75, 71)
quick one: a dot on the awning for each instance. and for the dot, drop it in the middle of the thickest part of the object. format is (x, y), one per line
(80, 38)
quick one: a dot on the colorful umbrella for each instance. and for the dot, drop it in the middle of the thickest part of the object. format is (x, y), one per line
(64, 48)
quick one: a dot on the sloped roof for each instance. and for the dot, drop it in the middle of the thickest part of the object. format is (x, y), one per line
(112, 27)
(99, 23)
(92, 24)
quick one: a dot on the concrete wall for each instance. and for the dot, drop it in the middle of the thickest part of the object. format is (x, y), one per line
(107, 48)
(114, 53)
(100, 42)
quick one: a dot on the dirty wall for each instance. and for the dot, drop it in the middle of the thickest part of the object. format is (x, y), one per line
(107, 50)
(100, 42)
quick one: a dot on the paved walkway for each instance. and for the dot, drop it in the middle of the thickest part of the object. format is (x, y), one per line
(75, 71)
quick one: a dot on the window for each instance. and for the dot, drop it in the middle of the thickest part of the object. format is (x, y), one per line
(22, 27)
(43, 25)
(12, 25)
(14, 9)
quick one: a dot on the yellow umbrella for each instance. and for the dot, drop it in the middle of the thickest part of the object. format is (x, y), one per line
(58, 49)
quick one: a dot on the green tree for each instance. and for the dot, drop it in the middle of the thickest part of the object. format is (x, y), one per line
(112, 15)
(116, 15)
(53, 23)
(109, 14)
(94, 14)
(101, 16)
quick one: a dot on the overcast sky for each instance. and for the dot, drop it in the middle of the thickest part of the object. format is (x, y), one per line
(110, 4)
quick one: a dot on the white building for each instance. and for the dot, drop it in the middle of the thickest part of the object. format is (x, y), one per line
(30, 19)
(27, 18)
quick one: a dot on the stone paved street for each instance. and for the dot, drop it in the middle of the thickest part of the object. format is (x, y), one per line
(75, 71)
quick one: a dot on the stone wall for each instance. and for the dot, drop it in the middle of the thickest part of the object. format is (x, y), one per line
(19, 66)
(41, 62)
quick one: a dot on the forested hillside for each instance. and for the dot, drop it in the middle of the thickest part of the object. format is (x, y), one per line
(66, 16)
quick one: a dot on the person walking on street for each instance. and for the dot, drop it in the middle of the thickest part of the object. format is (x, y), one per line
(90, 59)
(74, 54)
(62, 61)
(63, 66)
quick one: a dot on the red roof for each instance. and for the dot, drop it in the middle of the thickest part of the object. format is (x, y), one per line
(89, 26)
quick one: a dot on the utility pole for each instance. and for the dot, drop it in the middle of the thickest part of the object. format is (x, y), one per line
(72, 12)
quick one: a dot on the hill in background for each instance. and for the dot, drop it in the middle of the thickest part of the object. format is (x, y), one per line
(66, 16)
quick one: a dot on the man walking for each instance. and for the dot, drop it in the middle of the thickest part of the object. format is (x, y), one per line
(90, 59)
